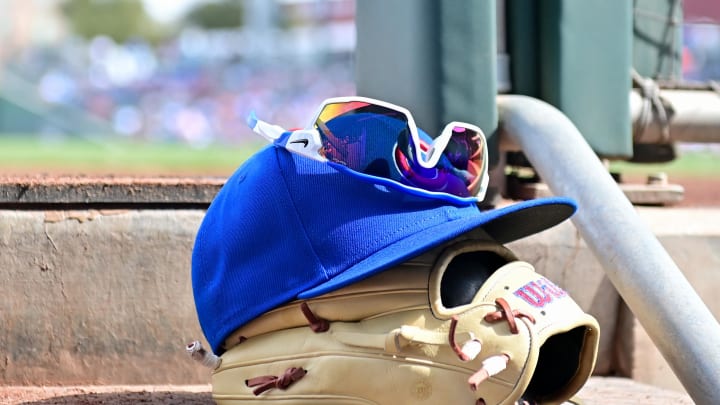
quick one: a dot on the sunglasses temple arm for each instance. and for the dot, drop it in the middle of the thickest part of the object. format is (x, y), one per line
(268, 131)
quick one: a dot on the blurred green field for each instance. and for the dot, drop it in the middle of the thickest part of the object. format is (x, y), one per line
(32, 155)
(695, 164)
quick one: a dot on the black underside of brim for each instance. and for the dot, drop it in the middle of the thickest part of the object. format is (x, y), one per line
(525, 222)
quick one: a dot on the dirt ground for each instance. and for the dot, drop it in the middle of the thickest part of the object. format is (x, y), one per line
(699, 192)
(106, 395)
(598, 391)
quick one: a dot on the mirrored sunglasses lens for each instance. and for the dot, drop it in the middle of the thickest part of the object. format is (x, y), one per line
(376, 141)
(335, 110)
(362, 136)
(466, 154)
(459, 171)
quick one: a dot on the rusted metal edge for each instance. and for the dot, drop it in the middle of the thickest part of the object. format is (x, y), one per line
(116, 191)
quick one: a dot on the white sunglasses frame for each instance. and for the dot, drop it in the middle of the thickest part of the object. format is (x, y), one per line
(307, 142)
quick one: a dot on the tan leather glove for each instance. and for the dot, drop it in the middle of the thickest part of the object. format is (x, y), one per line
(471, 326)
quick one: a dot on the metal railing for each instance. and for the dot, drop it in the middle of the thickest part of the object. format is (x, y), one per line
(678, 322)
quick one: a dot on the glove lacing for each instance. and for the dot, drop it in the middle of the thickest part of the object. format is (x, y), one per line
(266, 382)
(493, 364)
(468, 352)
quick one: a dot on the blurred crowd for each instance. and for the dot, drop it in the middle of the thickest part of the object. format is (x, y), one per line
(701, 52)
(198, 87)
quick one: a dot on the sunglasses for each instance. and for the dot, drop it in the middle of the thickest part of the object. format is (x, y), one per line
(379, 142)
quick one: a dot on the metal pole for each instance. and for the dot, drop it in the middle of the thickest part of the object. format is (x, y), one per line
(677, 320)
(695, 116)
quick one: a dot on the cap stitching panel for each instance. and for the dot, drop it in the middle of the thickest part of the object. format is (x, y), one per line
(387, 236)
(213, 334)
(452, 218)
(227, 320)
(297, 215)
(419, 223)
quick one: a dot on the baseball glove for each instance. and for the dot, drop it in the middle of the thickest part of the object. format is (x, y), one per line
(470, 325)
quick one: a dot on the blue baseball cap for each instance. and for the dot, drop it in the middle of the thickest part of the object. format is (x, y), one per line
(284, 227)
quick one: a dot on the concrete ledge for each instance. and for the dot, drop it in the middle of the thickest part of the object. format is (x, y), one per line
(107, 190)
(97, 297)
(103, 296)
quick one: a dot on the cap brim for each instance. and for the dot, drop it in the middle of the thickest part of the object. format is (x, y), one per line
(504, 224)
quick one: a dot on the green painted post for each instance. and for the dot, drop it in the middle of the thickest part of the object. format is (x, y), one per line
(437, 58)
(580, 62)
(657, 39)
(524, 46)
(397, 57)
(468, 67)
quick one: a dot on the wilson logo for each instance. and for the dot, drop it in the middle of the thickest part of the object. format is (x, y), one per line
(540, 292)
